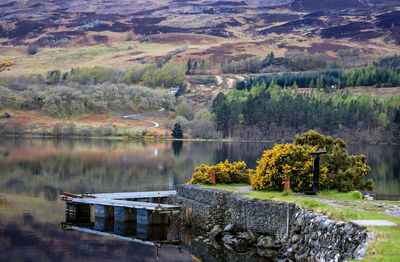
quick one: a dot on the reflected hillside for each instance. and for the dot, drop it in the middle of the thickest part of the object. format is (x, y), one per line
(96, 166)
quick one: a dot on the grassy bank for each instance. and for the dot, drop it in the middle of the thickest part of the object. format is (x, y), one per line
(383, 247)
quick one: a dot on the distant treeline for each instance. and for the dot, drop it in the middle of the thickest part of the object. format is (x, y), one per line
(265, 111)
(392, 62)
(385, 73)
(294, 61)
(336, 79)
(165, 75)
(62, 101)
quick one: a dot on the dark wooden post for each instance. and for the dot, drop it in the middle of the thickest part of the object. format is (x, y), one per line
(316, 170)
(316, 175)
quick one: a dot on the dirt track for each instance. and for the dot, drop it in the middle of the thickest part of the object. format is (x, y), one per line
(141, 117)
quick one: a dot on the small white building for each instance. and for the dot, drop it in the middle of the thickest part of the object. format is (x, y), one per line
(174, 90)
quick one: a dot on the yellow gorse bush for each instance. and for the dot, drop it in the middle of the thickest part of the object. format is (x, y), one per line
(225, 173)
(338, 169)
(284, 161)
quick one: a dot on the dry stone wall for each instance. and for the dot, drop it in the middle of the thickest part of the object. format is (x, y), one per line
(300, 234)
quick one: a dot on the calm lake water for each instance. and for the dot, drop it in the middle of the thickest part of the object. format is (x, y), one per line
(33, 172)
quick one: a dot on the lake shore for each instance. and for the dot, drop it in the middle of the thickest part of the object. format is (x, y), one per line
(161, 138)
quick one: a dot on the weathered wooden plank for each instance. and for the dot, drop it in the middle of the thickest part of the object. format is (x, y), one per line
(124, 203)
(134, 195)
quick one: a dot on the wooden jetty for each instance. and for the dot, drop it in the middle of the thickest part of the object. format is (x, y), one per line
(146, 208)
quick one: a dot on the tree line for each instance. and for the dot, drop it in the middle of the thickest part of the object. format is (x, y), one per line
(264, 111)
(371, 75)
(154, 75)
(64, 101)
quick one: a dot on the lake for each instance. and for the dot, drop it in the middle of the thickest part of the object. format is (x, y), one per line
(34, 172)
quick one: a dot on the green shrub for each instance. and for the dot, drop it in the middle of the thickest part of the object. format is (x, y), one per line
(93, 75)
(32, 50)
(87, 131)
(5, 97)
(203, 80)
(169, 75)
(343, 172)
(11, 128)
(356, 195)
(53, 77)
(287, 193)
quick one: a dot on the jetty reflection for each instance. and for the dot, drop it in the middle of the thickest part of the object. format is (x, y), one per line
(158, 236)
(152, 235)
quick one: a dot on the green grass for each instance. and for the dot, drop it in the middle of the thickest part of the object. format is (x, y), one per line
(383, 247)
(334, 194)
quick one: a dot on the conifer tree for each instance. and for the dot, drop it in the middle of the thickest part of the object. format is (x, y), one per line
(189, 67)
(177, 131)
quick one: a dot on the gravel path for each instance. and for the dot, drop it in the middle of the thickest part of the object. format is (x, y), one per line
(391, 209)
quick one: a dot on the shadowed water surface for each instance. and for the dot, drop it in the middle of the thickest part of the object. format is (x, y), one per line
(33, 172)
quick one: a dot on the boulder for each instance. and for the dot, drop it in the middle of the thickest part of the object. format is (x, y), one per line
(230, 240)
(248, 236)
(266, 242)
(295, 238)
(229, 228)
(216, 232)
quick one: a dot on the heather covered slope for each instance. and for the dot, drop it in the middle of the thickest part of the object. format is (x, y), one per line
(126, 33)
(65, 23)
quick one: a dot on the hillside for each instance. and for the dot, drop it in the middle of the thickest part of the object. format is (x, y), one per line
(102, 67)
(215, 30)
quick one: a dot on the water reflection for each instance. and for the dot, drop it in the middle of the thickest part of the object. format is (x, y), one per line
(177, 147)
(385, 167)
(51, 166)
(29, 240)
(33, 172)
(187, 242)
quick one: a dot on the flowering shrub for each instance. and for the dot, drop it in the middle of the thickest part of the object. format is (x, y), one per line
(338, 170)
(225, 173)
(342, 171)
(285, 161)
